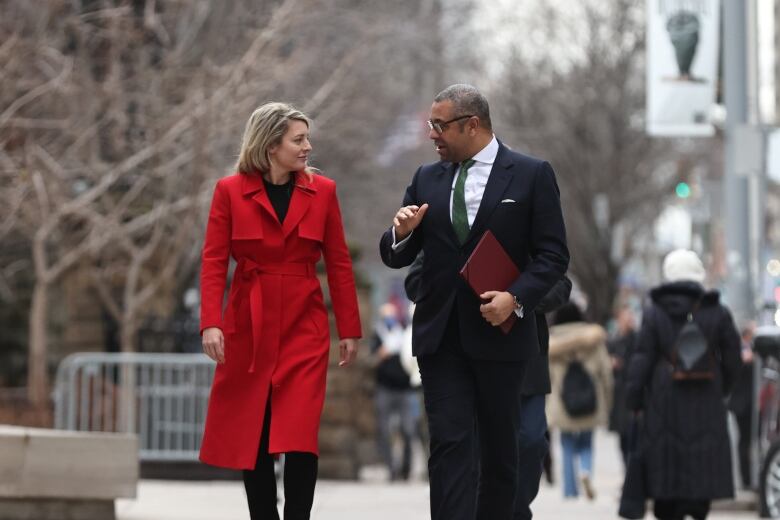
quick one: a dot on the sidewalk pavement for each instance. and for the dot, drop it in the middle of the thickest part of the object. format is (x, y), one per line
(375, 499)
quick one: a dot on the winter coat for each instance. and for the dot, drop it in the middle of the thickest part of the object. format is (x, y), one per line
(275, 322)
(621, 347)
(583, 342)
(685, 444)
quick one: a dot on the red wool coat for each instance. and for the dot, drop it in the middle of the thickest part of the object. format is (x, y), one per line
(275, 322)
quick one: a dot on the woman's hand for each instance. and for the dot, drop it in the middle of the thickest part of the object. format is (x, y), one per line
(348, 348)
(214, 344)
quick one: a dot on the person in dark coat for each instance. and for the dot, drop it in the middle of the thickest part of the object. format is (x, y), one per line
(533, 442)
(685, 441)
(620, 347)
(741, 404)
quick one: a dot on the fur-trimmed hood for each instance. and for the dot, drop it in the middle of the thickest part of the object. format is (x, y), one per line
(569, 338)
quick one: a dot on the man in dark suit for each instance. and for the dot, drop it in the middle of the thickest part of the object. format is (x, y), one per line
(533, 444)
(471, 371)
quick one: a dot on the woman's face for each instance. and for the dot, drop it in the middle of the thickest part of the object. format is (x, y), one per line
(292, 153)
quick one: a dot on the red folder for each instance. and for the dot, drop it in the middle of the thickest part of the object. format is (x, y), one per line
(489, 268)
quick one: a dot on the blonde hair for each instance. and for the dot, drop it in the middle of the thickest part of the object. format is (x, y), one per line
(265, 128)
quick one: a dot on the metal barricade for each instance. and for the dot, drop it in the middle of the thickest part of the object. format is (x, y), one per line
(160, 397)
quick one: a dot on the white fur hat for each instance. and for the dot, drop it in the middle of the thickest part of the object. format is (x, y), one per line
(683, 265)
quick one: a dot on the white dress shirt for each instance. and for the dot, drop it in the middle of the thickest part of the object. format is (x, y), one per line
(476, 180)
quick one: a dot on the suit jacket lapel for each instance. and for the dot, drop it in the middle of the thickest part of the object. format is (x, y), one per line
(499, 178)
(441, 200)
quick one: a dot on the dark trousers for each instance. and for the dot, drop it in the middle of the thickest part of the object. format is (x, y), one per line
(532, 448)
(460, 393)
(743, 447)
(679, 509)
(625, 446)
(300, 477)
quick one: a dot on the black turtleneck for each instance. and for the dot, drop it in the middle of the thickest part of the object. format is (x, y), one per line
(279, 195)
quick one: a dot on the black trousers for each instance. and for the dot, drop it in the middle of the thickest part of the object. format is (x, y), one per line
(300, 477)
(744, 424)
(680, 509)
(462, 394)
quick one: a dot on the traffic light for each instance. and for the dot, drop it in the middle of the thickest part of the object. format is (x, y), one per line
(682, 190)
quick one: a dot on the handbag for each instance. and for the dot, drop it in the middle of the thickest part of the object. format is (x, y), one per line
(633, 498)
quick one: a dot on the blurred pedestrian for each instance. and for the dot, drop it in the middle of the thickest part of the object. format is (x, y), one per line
(276, 217)
(741, 403)
(533, 437)
(620, 346)
(394, 397)
(471, 371)
(581, 374)
(686, 361)
(409, 361)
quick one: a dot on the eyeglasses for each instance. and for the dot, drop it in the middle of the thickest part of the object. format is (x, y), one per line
(441, 127)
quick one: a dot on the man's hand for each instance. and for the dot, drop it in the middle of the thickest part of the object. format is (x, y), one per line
(407, 219)
(498, 309)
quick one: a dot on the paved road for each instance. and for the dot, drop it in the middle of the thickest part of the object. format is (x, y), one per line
(375, 499)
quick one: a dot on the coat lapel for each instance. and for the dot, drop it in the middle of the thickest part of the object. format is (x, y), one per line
(301, 198)
(253, 186)
(499, 178)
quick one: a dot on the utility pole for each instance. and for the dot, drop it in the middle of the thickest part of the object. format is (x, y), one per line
(739, 291)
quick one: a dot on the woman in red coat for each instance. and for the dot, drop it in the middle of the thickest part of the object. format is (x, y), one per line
(275, 217)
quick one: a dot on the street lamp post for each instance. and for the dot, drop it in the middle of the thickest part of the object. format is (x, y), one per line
(736, 184)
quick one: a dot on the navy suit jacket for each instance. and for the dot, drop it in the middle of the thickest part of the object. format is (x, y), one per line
(521, 206)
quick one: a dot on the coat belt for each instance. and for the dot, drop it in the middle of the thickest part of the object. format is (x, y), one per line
(248, 273)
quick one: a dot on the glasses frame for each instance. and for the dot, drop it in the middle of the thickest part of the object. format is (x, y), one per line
(439, 128)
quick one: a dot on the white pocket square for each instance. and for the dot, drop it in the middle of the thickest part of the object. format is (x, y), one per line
(507, 200)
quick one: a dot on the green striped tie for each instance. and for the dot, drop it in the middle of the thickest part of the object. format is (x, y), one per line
(460, 218)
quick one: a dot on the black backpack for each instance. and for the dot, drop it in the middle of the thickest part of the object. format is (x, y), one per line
(579, 391)
(692, 358)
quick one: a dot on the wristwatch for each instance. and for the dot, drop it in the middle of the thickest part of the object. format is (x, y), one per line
(518, 305)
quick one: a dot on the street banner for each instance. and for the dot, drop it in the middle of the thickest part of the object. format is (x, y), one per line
(682, 66)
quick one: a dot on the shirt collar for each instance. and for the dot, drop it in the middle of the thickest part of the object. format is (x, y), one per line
(488, 154)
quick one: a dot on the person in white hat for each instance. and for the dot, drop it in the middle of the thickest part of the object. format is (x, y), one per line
(685, 443)
(683, 265)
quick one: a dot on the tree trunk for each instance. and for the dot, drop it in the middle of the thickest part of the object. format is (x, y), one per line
(601, 290)
(127, 384)
(37, 369)
(128, 333)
